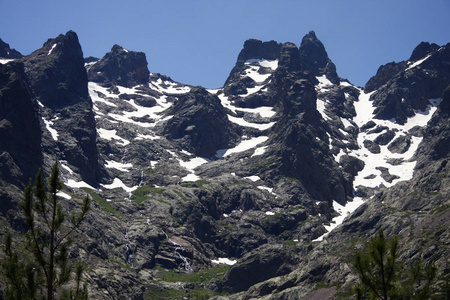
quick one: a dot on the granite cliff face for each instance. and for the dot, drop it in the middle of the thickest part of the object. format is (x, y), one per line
(255, 174)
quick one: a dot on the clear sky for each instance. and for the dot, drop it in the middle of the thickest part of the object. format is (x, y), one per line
(197, 42)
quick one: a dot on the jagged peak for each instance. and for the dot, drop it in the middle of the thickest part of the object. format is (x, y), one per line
(257, 49)
(120, 66)
(69, 39)
(7, 52)
(422, 50)
(314, 57)
(313, 50)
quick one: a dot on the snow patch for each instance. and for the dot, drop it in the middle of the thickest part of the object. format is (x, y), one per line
(223, 260)
(117, 183)
(169, 87)
(242, 122)
(5, 60)
(78, 184)
(343, 211)
(259, 151)
(253, 178)
(51, 50)
(111, 135)
(53, 132)
(415, 64)
(324, 83)
(64, 195)
(243, 146)
(110, 164)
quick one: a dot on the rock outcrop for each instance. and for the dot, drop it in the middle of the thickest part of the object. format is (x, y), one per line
(120, 67)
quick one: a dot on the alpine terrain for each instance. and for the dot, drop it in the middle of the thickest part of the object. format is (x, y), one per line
(261, 189)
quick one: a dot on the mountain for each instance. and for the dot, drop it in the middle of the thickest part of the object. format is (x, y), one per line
(262, 188)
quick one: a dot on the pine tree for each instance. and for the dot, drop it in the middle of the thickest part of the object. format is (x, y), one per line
(47, 268)
(378, 268)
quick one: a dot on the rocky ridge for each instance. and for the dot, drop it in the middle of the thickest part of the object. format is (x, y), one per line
(254, 174)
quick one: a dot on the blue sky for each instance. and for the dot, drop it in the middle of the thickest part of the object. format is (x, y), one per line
(197, 42)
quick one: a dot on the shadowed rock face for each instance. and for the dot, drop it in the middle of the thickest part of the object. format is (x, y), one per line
(120, 67)
(20, 134)
(314, 57)
(402, 88)
(7, 52)
(200, 124)
(56, 72)
(58, 80)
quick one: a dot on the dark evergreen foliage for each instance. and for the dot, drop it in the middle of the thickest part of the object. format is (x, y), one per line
(45, 268)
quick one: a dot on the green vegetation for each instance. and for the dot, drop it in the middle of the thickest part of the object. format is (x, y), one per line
(41, 269)
(290, 243)
(102, 202)
(141, 193)
(191, 283)
(154, 292)
(181, 196)
(197, 184)
(379, 273)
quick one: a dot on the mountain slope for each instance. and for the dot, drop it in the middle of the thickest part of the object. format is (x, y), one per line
(257, 174)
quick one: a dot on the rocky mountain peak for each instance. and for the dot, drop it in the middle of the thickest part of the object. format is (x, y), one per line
(56, 71)
(315, 58)
(7, 52)
(120, 67)
(404, 88)
(253, 50)
(256, 49)
(422, 50)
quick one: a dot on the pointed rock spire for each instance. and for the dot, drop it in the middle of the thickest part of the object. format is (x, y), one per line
(57, 72)
(315, 58)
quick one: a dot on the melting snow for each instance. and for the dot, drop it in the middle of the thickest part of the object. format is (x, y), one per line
(51, 50)
(110, 164)
(242, 122)
(138, 112)
(53, 132)
(243, 146)
(190, 166)
(253, 178)
(415, 64)
(78, 184)
(190, 177)
(259, 151)
(169, 87)
(64, 195)
(223, 260)
(343, 211)
(110, 135)
(324, 83)
(5, 60)
(404, 170)
(117, 183)
(265, 188)
(254, 65)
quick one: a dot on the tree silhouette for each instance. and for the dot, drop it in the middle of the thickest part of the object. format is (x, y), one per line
(378, 268)
(44, 266)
